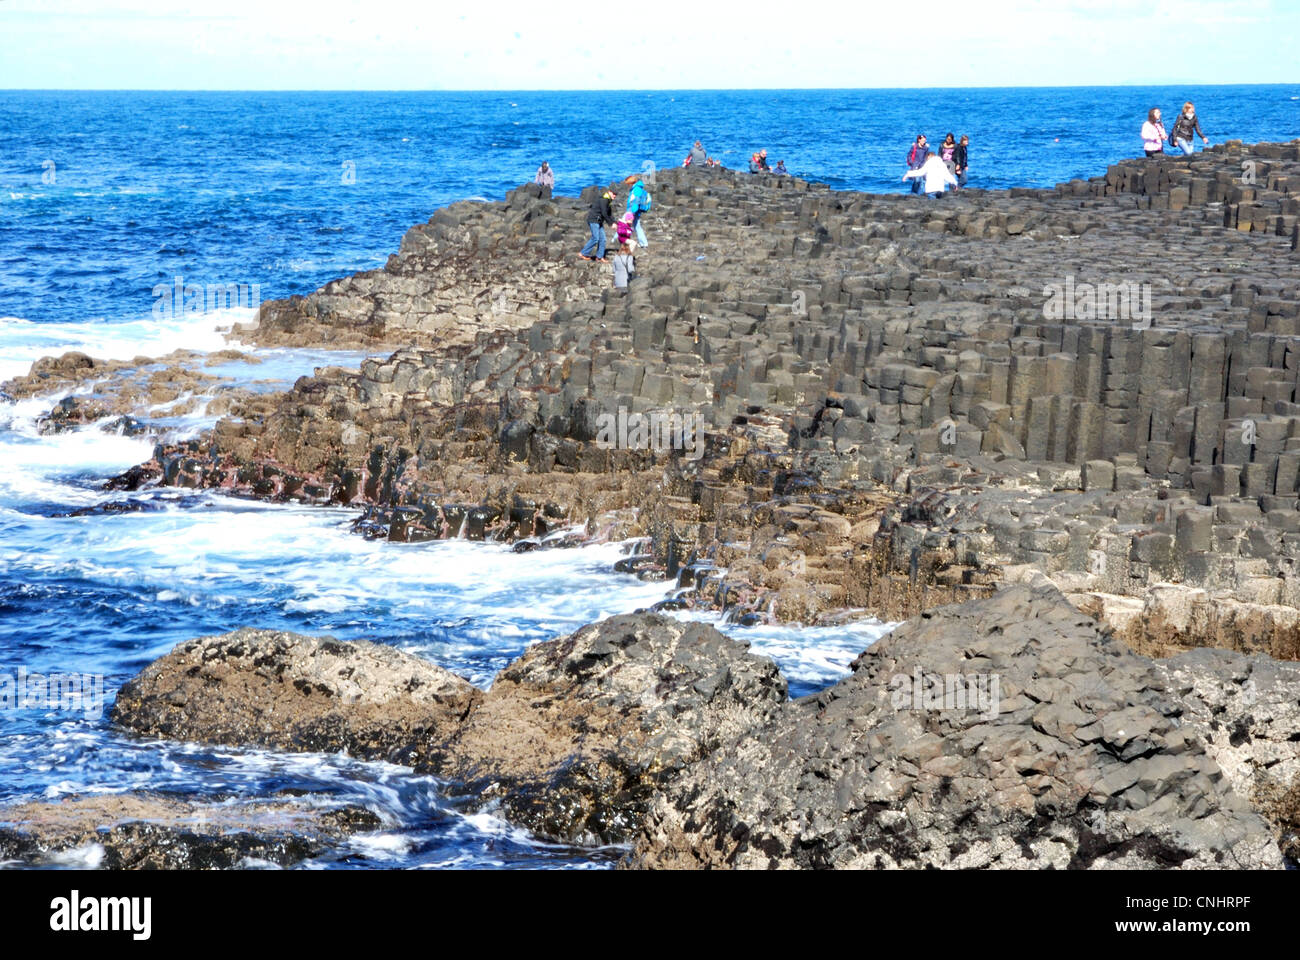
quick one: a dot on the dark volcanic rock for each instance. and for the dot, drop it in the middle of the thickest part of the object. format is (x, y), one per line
(579, 733)
(572, 741)
(144, 832)
(296, 693)
(1081, 758)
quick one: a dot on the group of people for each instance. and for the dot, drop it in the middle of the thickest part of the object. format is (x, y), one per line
(758, 164)
(1180, 137)
(699, 157)
(628, 229)
(931, 171)
(934, 171)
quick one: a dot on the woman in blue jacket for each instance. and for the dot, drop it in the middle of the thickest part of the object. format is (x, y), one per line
(638, 202)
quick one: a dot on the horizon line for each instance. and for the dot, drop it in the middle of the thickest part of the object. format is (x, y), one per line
(1034, 86)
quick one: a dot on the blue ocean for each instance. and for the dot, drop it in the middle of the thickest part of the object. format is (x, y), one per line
(105, 196)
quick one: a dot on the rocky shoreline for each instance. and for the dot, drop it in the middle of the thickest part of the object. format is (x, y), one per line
(676, 740)
(1055, 430)
(893, 420)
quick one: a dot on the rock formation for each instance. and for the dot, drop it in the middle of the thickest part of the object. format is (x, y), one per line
(905, 403)
(284, 690)
(146, 832)
(1005, 732)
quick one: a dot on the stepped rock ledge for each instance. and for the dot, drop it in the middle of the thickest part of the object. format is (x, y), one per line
(1056, 430)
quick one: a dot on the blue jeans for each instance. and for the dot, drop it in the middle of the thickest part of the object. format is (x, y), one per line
(916, 184)
(597, 241)
(961, 178)
(636, 225)
(1185, 146)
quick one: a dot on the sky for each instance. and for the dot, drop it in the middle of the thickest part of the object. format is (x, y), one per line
(548, 45)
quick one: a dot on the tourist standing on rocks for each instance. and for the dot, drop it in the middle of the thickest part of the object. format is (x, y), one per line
(916, 158)
(1153, 134)
(936, 173)
(947, 150)
(599, 215)
(545, 175)
(960, 160)
(638, 202)
(624, 267)
(1185, 127)
(758, 162)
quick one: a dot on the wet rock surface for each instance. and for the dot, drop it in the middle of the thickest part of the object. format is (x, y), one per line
(1083, 759)
(578, 734)
(1006, 732)
(285, 690)
(571, 741)
(151, 832)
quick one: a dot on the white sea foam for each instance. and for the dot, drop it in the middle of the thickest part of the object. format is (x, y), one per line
(22, 342)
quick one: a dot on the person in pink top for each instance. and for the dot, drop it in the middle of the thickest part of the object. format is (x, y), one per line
(1153, 134)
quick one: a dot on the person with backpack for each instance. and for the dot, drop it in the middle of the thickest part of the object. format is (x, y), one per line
(599, 215)
(1153, 134)
(1185, 127)
(638, 203)
(916, 158)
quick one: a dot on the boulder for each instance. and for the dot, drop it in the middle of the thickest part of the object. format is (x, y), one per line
(293, 692)
(577, 735)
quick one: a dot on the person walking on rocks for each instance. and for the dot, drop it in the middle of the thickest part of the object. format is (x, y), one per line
(638, 203)
(545, 175)
(1185, 127)
(624, 267)
(936, 175)
(960, 160)
(626, 230)
(599, 215)
(1153, 134)
(916, 158)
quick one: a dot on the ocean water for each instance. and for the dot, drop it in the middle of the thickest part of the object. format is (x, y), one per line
(106, 196)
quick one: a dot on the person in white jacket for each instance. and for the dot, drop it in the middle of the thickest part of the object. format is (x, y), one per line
(936, 173)
(1153, 134)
